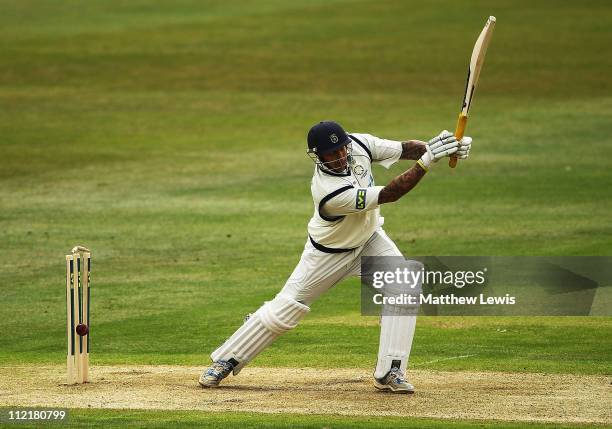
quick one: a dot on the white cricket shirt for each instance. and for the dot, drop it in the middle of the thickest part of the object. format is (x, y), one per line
(346, 209)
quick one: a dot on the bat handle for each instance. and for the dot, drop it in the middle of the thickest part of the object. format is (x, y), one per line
(461, 123)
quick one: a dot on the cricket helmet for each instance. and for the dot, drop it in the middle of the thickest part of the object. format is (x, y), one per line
(325, 137)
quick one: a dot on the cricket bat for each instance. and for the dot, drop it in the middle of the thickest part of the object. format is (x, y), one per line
(478, 56)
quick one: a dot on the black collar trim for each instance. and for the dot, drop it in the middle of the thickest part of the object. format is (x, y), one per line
(331, 173)
(363, 146)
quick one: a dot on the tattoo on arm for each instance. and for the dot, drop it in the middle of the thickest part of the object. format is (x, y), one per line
(401, 185)
(412, 149)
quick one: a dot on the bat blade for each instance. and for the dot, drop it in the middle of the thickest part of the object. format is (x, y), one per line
(476, 61)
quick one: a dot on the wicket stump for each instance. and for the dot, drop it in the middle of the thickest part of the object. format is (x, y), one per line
(78, 269)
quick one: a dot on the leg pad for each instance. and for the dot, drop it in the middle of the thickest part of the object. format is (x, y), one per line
(397, 327)
(260, 330)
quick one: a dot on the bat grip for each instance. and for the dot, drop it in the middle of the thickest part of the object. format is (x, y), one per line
(461, 123)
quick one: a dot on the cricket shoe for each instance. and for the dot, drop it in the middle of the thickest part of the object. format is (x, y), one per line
(394, 381)
(215, 373)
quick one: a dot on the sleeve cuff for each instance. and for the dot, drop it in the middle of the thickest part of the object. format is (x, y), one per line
(388, 162)
(373, 197)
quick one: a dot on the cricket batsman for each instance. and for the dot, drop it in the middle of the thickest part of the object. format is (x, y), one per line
(346, 225)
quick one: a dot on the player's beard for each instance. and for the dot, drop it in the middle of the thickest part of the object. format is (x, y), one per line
(338, 165)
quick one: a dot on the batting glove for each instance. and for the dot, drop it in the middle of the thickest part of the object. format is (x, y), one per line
(465, 144)
(444, 144)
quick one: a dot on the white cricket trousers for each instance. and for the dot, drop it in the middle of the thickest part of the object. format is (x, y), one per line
(319, 271)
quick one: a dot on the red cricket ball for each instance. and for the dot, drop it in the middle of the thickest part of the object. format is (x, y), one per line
(82, 329)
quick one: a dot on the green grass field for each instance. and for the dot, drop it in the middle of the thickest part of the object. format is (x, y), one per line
(170, 139)
(157, 419)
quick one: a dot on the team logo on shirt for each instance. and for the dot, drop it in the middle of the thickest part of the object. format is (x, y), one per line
(360, 201)
(358, 170)
(333, 138)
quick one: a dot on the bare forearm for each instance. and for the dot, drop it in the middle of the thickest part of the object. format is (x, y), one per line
(401, 185)
(413, 149)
